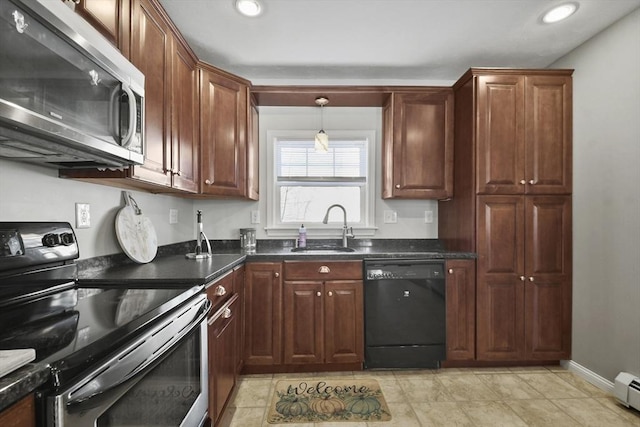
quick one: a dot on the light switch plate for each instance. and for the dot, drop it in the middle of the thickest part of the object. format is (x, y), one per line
(390, 217)
(255, 217)
(83, 215)
(428, 217)
(173, 216)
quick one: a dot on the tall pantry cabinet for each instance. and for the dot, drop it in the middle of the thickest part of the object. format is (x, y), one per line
(512, 205)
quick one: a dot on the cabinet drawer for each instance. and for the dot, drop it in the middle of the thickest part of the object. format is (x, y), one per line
(323, 270)
(220, 289)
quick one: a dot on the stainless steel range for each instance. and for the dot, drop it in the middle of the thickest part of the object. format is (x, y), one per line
(118, 356)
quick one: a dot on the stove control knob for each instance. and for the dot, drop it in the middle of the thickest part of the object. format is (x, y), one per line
(67, 239)
(51, 240)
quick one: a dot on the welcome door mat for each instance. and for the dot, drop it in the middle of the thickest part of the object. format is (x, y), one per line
(333, 400)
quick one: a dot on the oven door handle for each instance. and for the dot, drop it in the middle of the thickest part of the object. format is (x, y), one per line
(141, 353)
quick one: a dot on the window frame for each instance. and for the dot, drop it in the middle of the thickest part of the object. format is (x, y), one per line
(366, 227)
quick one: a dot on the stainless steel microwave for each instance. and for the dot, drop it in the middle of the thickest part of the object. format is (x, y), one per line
(68, 98)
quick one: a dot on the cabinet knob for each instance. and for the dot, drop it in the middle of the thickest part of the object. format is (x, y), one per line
(226, 313)
(522, 181)
(397, 185)
(324, 269)
(531, 279)
(277, 274)
(319, 293)
(531, 181)
(220, 291)
(207, 181)
(330, 293)
(522, 278)
(451, 271)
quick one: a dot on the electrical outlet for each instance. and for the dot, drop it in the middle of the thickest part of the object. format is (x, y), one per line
(255, 217)
(428, 217)
(390, 217)
(173, 216)
(83, 215)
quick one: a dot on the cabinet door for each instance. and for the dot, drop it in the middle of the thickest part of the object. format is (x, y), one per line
(105, 16)
(222, 335)
(238, 287)
(343, 321)
(263, 317)
(253, 152)
(150, 52)
(223, 121)
(420, 145)
(461, 309)
(20, 414)
(303, 322)
(500, 286)
(548, 134)
(548, 277)
(183, 156)
(500, 135)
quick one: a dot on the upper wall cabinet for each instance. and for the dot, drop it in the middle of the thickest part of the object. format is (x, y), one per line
(110, 17)
(524, 134)
(171, 133)
(417, 146)
(225, 112)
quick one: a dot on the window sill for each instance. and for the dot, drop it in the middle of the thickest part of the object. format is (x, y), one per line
(319, 233)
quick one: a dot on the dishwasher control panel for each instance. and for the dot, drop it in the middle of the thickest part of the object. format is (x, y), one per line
(404, 269)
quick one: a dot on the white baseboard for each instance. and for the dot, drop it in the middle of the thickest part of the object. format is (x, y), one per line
(588, 375)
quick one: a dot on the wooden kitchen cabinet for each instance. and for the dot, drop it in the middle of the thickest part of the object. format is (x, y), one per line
(224, 117)
(323, 313)
(263, 314)
(170, 148)
(524, 277)
(110, 17)
(417, 146)
(524, 134)
(20, 414)
(238, 287)
(461, 309)
(222, 341)
(513, 127)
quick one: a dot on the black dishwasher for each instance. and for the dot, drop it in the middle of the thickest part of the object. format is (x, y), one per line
(404, 305)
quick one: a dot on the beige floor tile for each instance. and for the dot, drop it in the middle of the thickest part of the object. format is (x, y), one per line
(509, 386)
(413, 372)
(467, 387)
(246, 417)
(541, 413)
(551, 386)
(441, 414)
(491, 414)
(454, 371)
(391, 390)
(590, 413)
(253, 393)
(402, 415)
(484, 371)
(582, 385)
(375, 374)
(349, 424)
(629, 414)
(425, 389)
(529, 369)
(557, 368)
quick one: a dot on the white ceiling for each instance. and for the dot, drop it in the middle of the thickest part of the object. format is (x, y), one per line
(384, 41)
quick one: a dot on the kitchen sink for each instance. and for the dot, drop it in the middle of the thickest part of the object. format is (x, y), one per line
(323, 249)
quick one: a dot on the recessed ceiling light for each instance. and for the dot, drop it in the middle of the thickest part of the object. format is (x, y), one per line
(249, 7)
(559, 13)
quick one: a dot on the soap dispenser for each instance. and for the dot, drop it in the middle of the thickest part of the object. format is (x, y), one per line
(302, 237)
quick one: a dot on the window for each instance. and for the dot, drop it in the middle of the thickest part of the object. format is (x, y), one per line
(304, 183)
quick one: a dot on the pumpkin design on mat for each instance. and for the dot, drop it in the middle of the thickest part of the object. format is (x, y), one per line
(327, 404)
(363, 405)
(290, 406)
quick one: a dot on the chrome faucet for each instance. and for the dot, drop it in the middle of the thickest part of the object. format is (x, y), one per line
(345, 230)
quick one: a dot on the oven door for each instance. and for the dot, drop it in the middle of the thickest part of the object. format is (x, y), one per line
(159, 379)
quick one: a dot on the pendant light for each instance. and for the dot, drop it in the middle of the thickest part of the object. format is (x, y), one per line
(322, 139)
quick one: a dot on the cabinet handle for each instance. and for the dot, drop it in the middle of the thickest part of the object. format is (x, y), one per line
(207, 181)
(330, 293)
(324, 269)
(531, 182)
(522, 181)
(319, 293)
(522, 278)
(451, 271)
(397, 185)
(531, 279)
(220, 291)
(226, 313)
(277, 274)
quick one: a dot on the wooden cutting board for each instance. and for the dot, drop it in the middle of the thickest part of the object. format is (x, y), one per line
(135, 232)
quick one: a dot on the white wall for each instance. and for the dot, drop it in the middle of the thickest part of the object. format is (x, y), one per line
(223, 218)
(606, 201)
(35, 193)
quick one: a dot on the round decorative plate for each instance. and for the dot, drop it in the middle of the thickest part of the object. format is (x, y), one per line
(136, 233)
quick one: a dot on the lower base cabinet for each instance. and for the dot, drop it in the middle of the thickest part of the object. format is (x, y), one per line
(20, 414)
(461, 309)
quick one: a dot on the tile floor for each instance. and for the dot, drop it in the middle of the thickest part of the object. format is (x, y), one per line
(530, 396)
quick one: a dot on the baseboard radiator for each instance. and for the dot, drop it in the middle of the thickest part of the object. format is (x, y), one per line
(627, 390)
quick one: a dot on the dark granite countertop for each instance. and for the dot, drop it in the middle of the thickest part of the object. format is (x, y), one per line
(19, 383)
